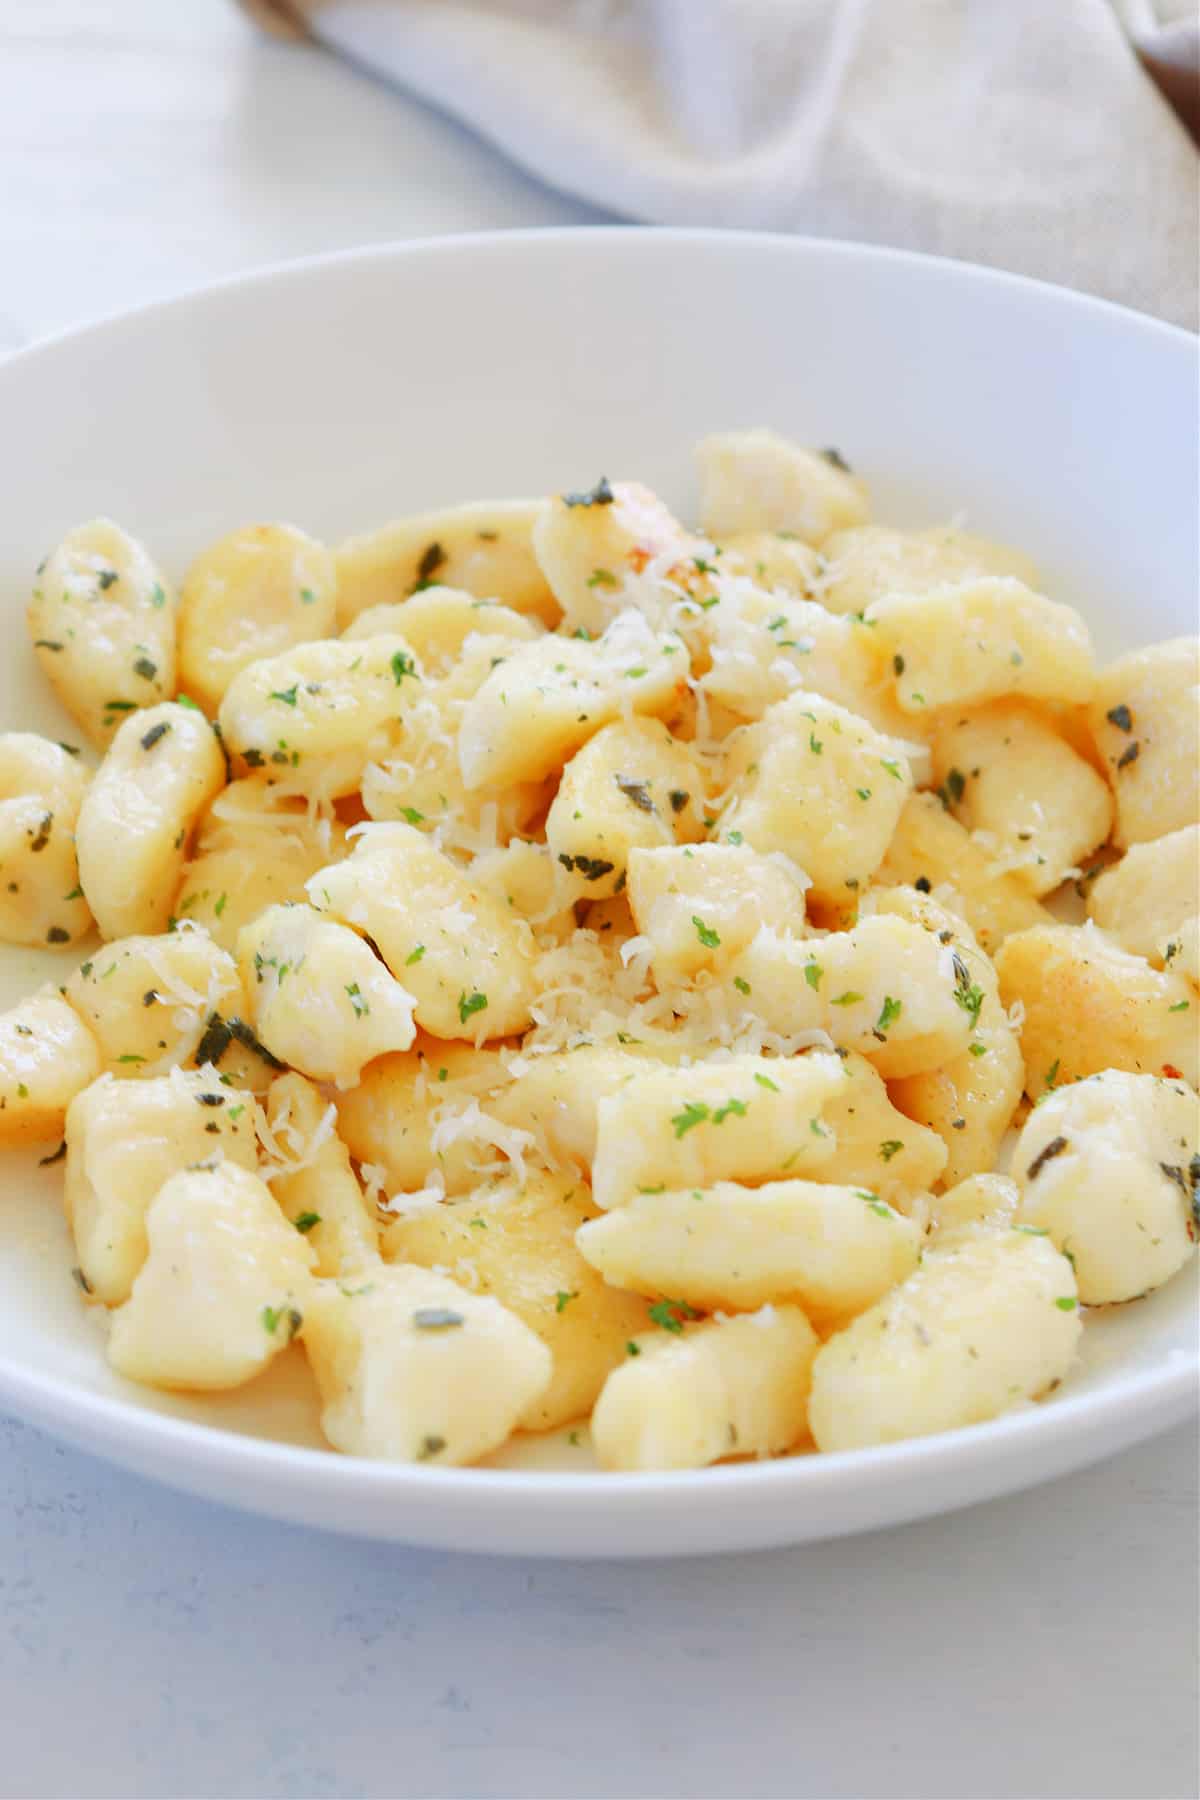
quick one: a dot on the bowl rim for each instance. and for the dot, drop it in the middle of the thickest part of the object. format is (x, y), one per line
(1030, 287)
(1163, 1395)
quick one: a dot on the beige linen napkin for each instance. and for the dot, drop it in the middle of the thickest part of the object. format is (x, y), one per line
(1022, 133)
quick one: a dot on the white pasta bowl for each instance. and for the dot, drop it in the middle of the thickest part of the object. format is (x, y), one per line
(342, 391)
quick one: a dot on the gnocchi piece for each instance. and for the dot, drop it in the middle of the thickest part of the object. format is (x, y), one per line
(979, 1203)
(257, 593)
(976, 1329)
(886, 988)
(222, 1290)
(525, 878)
(1145, 721)
(148, 1000)
(464, 958)
(224, 890)
(969, 1099)
(868, 562)
(821, 785)
(1030, 802)
(763, 646)
(548, 698)
(1109, 1168)
(413, 1368)
(557, 1095)
(1149, 902)
(932, 852)
(390, 1121)
(517, 1243)
(313, 1183)
(102, 620)
(876, 1146)
(1088, 1006)
(162, 769)
(776, 560)
(318, 706)
(971, 641)
(699, 907)
(41, 790)
(588, 544)
(758, 481)
(415, 775)
(47, 1056)
(834, 1250)
(631, 787)
(437, 622)
(124, 1140)
(319, 997)
(729, 1387)
(485, 547)
(746, 1119)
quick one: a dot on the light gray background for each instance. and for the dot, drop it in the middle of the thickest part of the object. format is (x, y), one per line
(155, 1646)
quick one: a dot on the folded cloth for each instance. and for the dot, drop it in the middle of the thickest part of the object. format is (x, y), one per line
(1022, 133)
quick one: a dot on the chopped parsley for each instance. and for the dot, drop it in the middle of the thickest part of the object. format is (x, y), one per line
(272, 1316)
(694, 1113)
(470, 1003)
(416, 956)
(737, 1107)
(708, 937)
(764, 1081)
(849, 998)
(563, 1299)
(743, 987)
(287, 695)
(361, 1008)
(305, 1221)
(145, 668)
(1120, 716)
(889, 1012)
(402, 665)
(890, 1147)
(670, 1314)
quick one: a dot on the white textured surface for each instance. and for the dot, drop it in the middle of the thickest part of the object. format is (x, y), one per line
(153, 1646)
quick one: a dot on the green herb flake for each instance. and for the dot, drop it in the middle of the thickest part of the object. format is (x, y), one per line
(437, 1318)
(145, 668)
(470, 1003)
(694, 1113)
(671, 1314)
(600, 495)
(563, 1299)
(890, 1147)
(632, 1349)
(402, 665)
(893, 768)
(287, 695)
(1066, 1303)
(737, 1107)
(889, 1012)
(602, 578)
(764, 1081)
(355, 993)
(416, 956)
(708, 937)
(849, 998)
(273, 1316)
(305, 1221)
(743, 987)
(1121, 717)
(1179, 1006)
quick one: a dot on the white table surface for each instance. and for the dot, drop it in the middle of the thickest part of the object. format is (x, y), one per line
(154, 1646)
